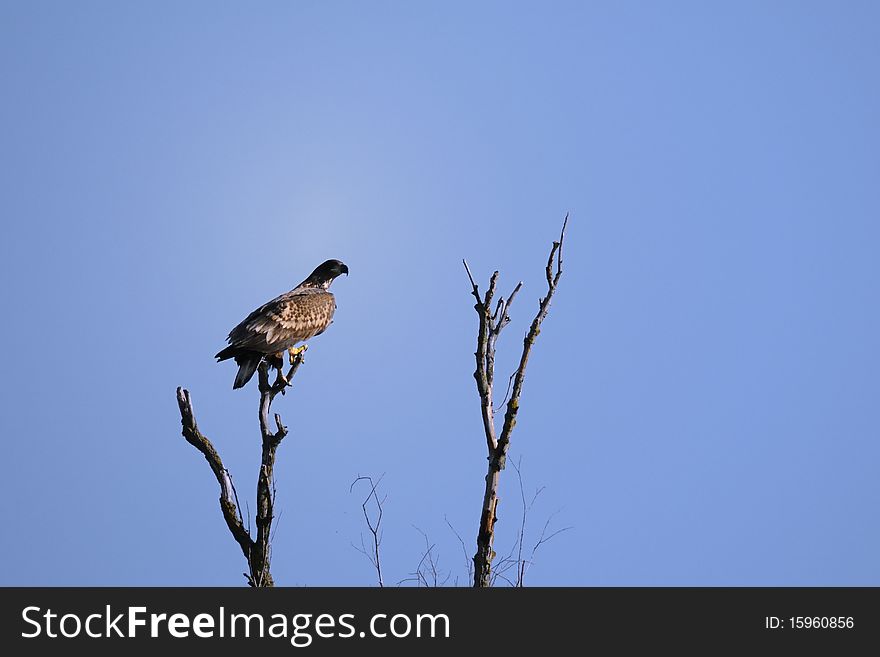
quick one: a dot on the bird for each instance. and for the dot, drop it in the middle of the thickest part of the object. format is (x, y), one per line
(278, 325)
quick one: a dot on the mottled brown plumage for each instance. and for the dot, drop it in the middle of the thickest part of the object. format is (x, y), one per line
(275, 327)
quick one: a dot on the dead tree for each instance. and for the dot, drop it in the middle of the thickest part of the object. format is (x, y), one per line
(257, 549)
(491, 323)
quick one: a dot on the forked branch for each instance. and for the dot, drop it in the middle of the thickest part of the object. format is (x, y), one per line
(257, 549)
(491, 323)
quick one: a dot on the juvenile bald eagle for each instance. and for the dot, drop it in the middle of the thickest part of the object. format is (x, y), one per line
(276, 326)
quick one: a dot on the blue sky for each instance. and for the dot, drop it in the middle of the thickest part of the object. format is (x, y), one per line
(701, 406)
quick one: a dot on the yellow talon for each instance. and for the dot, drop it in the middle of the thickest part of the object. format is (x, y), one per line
(293, 352)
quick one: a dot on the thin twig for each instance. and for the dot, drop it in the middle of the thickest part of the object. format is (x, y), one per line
(432, 570)
(373, 525)
(507, 392)
(542, 539)
(522, 525)
(474, 285)
(469, 564)
(235, 496)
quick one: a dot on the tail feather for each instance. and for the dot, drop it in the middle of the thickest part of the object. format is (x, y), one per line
(227, 353)
(247, 361)
(247, 365)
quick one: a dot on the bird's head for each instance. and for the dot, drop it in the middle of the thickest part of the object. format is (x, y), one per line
(326, 272)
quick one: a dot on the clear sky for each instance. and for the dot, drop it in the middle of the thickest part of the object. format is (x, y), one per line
(701, 406)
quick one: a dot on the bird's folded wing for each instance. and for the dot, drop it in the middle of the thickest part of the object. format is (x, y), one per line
(286, 320)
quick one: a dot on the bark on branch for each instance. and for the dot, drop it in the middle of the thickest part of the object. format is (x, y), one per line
(228, 504)
(257, 549)
(491, 323)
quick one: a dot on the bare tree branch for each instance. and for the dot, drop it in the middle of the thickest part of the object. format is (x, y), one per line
(484, 363)
(228, 502)
(257, 550)
(528, 343)
(490, 326)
